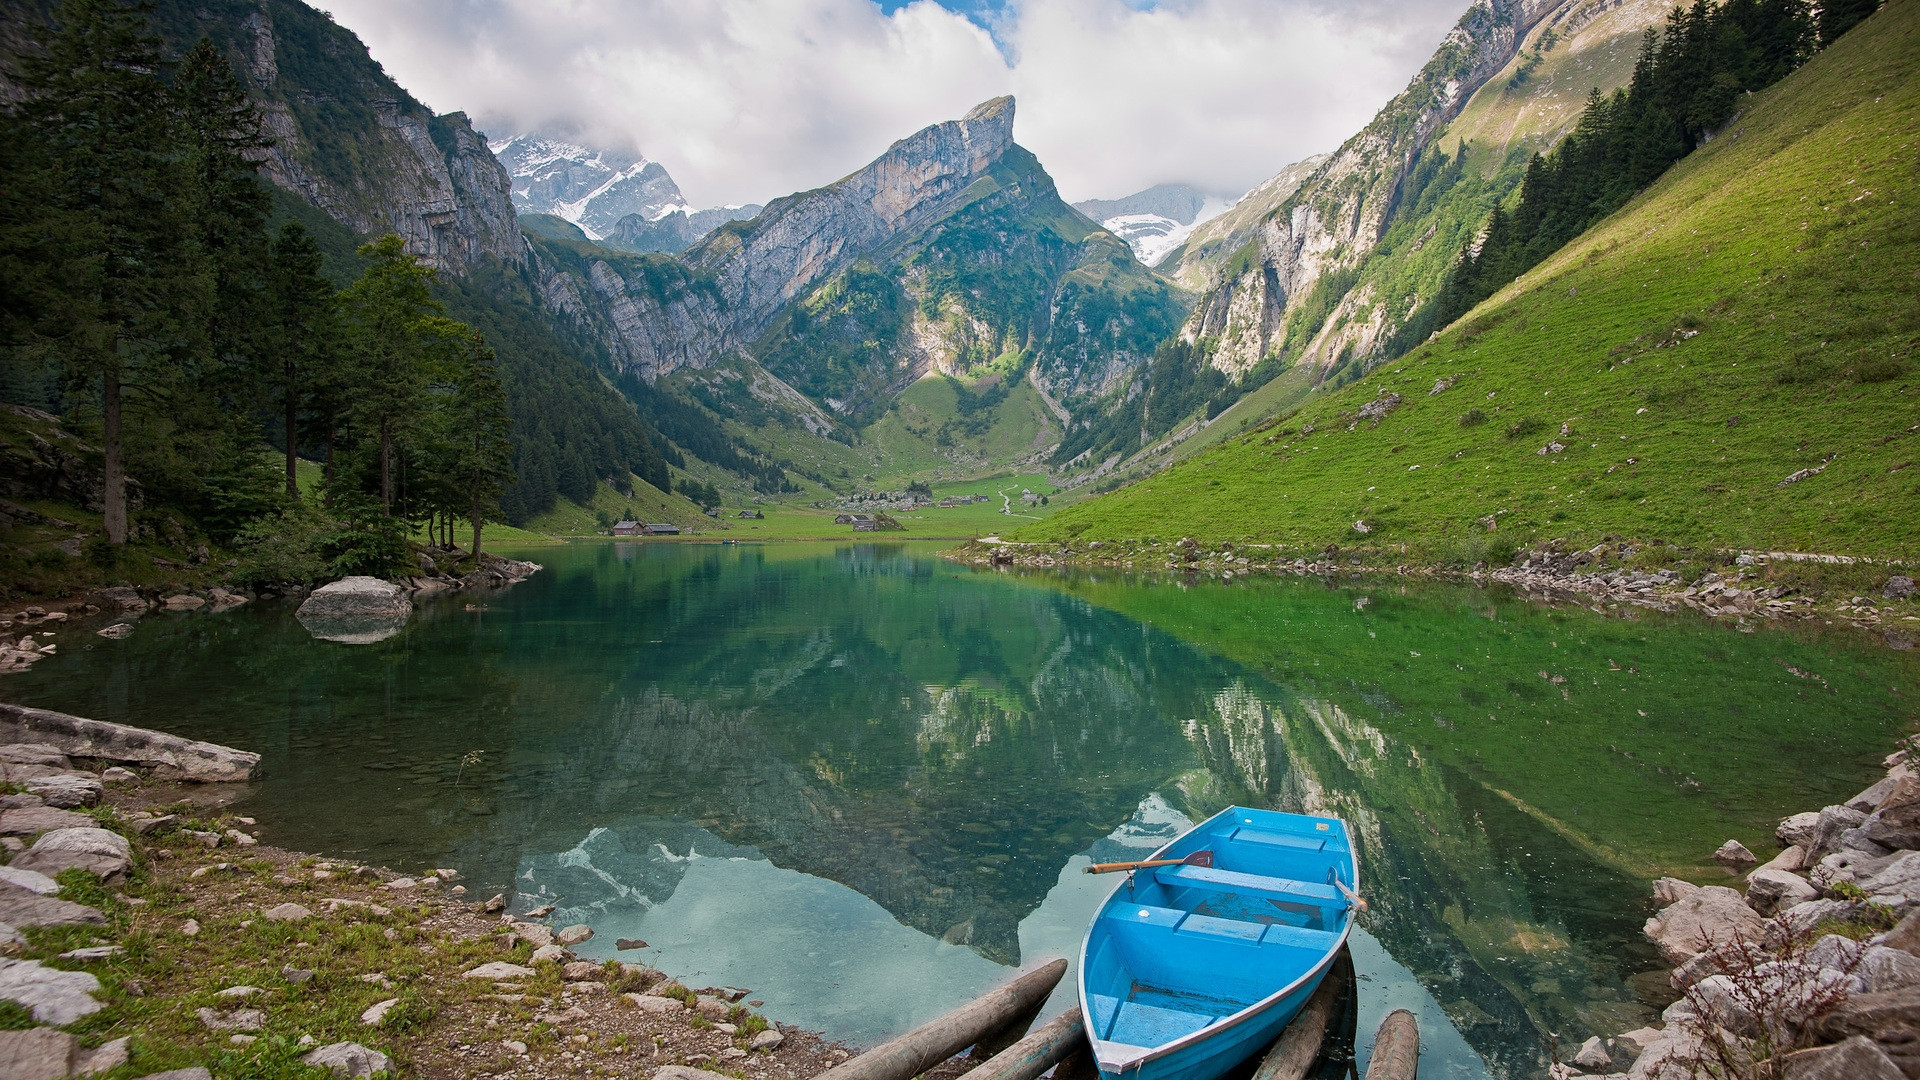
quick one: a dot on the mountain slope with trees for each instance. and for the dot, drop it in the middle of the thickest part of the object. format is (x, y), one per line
(1725, 362)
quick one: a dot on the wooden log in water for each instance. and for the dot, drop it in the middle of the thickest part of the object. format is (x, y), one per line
(1396, 1048)
(1038, 1052)
(1299, 1045)
(937, 1040)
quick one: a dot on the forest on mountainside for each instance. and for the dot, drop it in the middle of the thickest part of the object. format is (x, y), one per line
(1687, 84)
(167, 303)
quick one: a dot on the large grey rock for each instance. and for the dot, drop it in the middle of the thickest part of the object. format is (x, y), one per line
(500, 969)
(103, 1058)
(1869, 800)
(1834, 820)
(24, 907)
(67, 791)
(574, 935)
(52, 996)
(356, 598)
(1712, 915)
(34, 754)
(1800, 919)
(1896, 822)
(29, 880)
(40, 1053)
(169, 756)
(1593, 1055)
(27, 820)
(349, 1059)
(1881, 969)
(1848, 866)
(1770, 890)
(1668, 891)
(1859, 1058)
(98, 851)
(232, 1019)
(1897, 882)
(1800, 830)
(1734, 855)
(1906, 935)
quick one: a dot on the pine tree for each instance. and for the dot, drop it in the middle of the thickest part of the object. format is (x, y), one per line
(300, 329)
(481, 465)
(1839, 16)
(389, 311)
(123, 315)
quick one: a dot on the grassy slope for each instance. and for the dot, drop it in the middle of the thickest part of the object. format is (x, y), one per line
(910, 431)
(647, 503)
(1788, 247)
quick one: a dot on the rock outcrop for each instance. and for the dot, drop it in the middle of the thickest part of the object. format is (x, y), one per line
(168, 756)
(357, 598)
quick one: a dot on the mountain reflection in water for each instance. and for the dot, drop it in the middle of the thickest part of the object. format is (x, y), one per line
(861, 781)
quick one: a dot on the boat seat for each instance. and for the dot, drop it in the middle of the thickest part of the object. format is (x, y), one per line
(1229, 881)
(1269, 838)
(1150, 1025)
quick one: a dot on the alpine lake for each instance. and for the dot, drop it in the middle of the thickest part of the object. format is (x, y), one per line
(863, 781)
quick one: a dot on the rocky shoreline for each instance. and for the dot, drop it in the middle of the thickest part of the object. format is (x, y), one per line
(1603, 575)
(1811, 973)
(146, 932)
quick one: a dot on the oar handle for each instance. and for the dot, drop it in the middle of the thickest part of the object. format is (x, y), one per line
(1116, 867)
(1352, 896)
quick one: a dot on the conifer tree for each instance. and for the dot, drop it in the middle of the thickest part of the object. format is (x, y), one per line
(300, 329)
(96, 108)
(390, 314)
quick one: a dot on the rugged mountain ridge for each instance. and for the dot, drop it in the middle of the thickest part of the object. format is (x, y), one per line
(590, 187)
(1341, 210)
(1154, 222)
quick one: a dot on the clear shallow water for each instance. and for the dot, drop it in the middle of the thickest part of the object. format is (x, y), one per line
(862, 781)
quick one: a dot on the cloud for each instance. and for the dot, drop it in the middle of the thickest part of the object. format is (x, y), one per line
(746, 100)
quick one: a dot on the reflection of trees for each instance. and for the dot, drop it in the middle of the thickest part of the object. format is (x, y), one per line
(1489, 934)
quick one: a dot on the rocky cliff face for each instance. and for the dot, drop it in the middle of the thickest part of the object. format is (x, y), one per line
(592, 188)
(350, 141)
(802, 239)
(1340, 211)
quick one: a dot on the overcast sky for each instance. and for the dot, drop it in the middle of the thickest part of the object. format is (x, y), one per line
(746, 100)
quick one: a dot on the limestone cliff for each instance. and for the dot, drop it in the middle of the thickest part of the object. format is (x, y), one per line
(1340, 211)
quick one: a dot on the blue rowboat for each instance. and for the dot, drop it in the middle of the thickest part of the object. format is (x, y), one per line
(1189, 970)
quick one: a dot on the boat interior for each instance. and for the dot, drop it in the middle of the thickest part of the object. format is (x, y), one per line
(1183, 947)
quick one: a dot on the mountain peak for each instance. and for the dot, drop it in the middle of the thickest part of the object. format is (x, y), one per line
(996, 110)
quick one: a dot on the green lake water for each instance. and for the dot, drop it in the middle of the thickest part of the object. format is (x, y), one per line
(862, 781)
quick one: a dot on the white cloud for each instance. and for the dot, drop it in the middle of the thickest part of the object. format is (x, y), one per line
(746, 100)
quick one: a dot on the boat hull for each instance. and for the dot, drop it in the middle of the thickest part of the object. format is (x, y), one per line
(1188, 971)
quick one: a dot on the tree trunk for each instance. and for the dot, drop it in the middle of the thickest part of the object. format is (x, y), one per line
(386, 468)
(476, 534)
(293, 409)
(113, 498)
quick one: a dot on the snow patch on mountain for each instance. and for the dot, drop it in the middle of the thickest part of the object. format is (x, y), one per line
(592, 188)
(1156, 221)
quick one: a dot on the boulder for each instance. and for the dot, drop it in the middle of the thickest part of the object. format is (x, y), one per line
(1669, 891)
(349, 1059)
(183, 602)
(27, 820)
(1791, 858)
(1869, 800)
(1896, 883)
(1769, 890)
(34, 754)
(499, 969)
(1848, 866)
(663, 1006)
(1629, 1046)
(169, 756)
(1896, 821)
(1723, 960)
(40, 1053)
(1859, 1058)
(711, 1007)
(1834, 820)
(1734, 855)
(29, 880)
(52, 996)
(67, 791)
(98, 851)
(288, 912)
(558, 954)
(580, 970)
(1881, 969)
(356, 597)
(1898, 587)
(1905, 936)
(573, 935)
(102, 1058)
(24, 907)
(1800, 919)
(1593, 1055)
(377, 1012)
(533, 934)
(770, 1041)
(1799, 830)
(232, 1019)
(1708, 916)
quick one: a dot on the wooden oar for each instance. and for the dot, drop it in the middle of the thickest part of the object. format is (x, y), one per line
(1352, 897)
(1198, 858)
